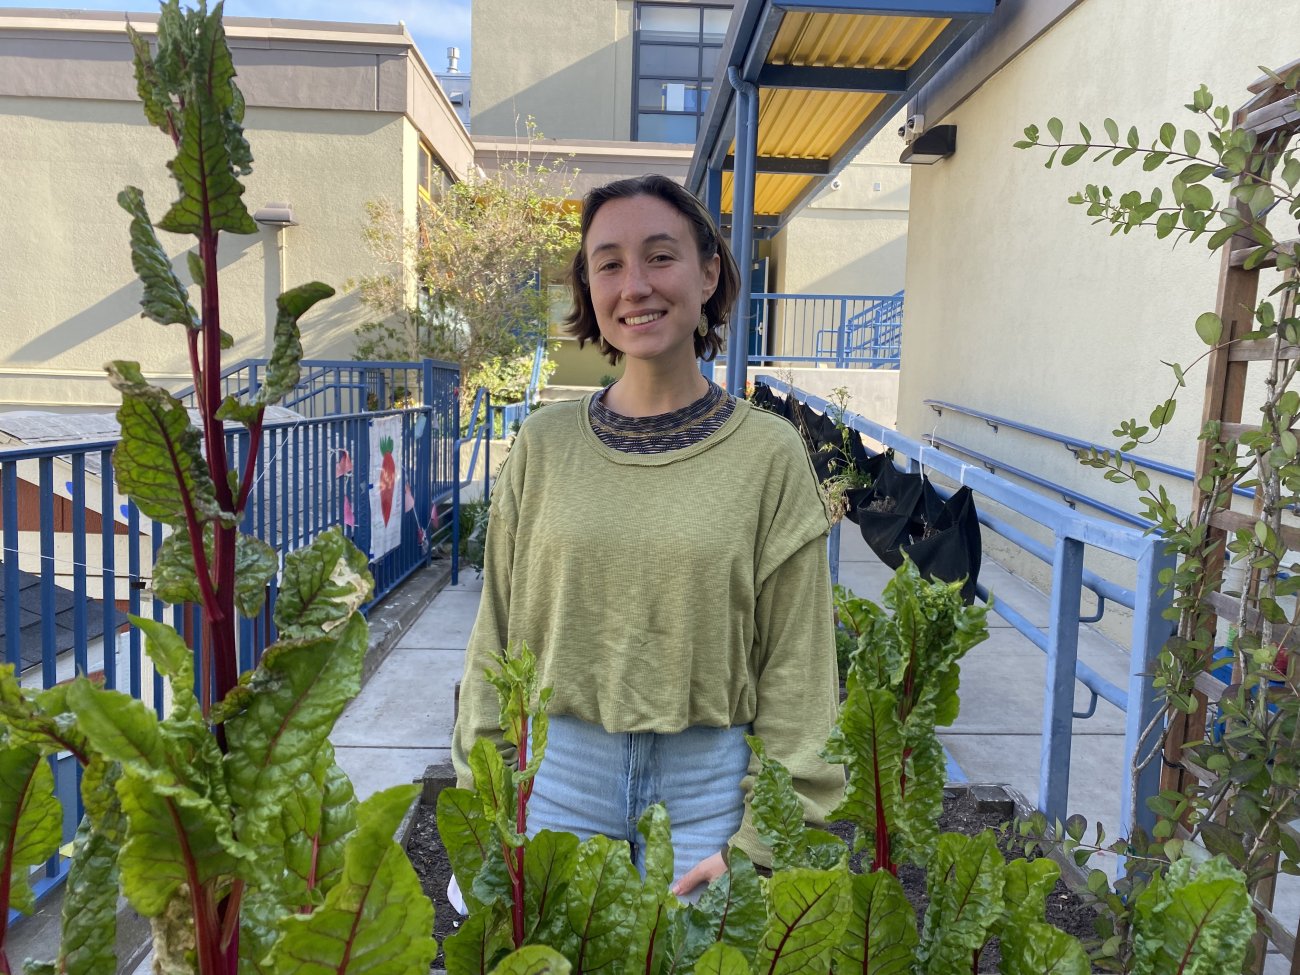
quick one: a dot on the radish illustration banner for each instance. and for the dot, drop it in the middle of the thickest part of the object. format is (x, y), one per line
(385, 481)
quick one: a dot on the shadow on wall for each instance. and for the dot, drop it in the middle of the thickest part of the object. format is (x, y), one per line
(115, 308)
(877, 271)
(565, 104)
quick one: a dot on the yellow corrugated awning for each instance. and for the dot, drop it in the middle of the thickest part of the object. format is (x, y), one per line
(829, 76)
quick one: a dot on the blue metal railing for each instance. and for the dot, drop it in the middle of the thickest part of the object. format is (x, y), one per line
(847, 331)
(1073, 533)
(85, 553)
(1076, 445)
(331, 387)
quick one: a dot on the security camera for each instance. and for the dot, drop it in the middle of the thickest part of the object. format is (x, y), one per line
(914, 126)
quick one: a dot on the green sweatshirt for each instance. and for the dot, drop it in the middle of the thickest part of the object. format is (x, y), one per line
(663, 591)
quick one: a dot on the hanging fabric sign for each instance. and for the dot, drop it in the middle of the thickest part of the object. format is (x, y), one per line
(385, 485)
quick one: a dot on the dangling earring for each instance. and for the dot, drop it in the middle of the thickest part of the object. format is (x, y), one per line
(703, 327)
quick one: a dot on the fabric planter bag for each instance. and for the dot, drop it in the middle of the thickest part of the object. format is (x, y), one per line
(885, 512)
(948, 547)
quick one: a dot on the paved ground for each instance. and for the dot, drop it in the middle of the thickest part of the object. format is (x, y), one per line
(401, 722)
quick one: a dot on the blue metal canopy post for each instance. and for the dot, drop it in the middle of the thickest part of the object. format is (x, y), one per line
(742, 226)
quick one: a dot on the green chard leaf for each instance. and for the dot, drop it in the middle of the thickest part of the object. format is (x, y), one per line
(778, 816)
(480, 943)
(287, 709)
(867, 738)
(807, 914)
(212, 147)
(1028, 884)
(158, 106)
(965, 881)
(600, 907)
(282, 371)
(376, 919)
(1035, 948)
(468, 838)
(323, 585)
(170, 839)
(722, 959)
(31, 819)
(175, 581)
(89, 922)
(1194, 920)
(730, 911)
(549, 861)
(533, 960)
(165, 299)
(158, 448)
(650, 927)
(880, 937)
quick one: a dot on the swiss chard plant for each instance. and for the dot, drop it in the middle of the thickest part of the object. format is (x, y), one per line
(902, 684)
(227, 823)
(585, 908)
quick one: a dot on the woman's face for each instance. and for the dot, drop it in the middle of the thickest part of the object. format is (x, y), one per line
(647, 283)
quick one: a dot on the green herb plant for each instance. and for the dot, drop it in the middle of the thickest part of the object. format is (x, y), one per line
(1228, 189)
(227, 824)
(549, 903)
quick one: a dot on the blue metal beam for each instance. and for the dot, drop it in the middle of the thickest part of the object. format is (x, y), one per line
(787, 165)
(894, 8)
(820, 78)
(742, 229)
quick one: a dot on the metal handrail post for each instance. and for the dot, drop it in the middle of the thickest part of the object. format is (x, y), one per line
(424, 455)
(455, 485)
(1062, 659)
(833, 552)
(843, 332)
(487, 445)
(1151, 630)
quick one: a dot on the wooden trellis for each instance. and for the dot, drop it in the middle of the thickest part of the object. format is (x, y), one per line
(1271, 115)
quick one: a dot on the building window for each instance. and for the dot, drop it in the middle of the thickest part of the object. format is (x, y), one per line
(677, 50)
(432, 177)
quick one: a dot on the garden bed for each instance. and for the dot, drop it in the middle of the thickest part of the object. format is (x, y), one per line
(963, 812)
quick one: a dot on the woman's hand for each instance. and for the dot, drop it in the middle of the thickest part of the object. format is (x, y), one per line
(704, 872)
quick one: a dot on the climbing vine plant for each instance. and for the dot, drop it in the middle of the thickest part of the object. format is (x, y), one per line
(1228, 187)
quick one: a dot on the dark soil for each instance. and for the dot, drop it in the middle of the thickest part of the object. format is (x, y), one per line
(961, 814)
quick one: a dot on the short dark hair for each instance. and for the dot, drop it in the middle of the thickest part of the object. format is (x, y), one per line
(581, 321)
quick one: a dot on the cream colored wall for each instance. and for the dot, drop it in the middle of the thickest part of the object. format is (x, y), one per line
(566, 63)
(851, 240)
(70, 297)
(1016, 304)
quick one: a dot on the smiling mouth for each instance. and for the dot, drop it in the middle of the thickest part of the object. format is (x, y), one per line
(643, 319)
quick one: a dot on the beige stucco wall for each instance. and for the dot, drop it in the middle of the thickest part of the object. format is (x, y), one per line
(1016, 304)
(851, 239)
(566, 63)
(70, 297)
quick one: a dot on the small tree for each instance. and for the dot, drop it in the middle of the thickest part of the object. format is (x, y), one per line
(467, 281)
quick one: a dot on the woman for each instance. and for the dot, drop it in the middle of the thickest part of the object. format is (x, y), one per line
(661, 547)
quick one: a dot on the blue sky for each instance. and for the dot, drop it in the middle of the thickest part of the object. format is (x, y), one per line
(435, 24)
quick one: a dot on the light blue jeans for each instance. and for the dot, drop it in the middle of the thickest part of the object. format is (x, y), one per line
(592, 781)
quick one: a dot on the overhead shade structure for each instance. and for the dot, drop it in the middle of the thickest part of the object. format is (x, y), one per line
(802, 86)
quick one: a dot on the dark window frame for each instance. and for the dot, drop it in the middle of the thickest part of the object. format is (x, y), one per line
(699, 45)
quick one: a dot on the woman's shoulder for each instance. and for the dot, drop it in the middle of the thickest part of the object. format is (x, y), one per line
(778, 433)
(552, 420)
